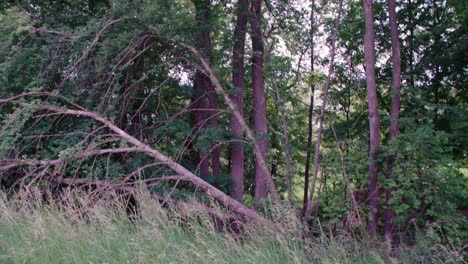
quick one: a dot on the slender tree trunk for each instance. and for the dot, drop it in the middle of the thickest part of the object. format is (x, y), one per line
(238, 74)
(202, 83)
(308, 210)
(284, 124)
(212, 96)
(411, 42)
(215, 161)
(287, 147)
(369, 57)
(317, 206)
(138, 122)
(311, 110)
(274, 165)
(90, 6)
(394, 114)
(259, 106)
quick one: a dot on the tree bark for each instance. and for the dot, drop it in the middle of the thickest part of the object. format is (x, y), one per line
(308, 210)
(238, 75)
(311, 111)
(259, 105)
(369, 57)
(260, 158)
(202, 83)
(394, 115)
(411, 42)
(212, 104)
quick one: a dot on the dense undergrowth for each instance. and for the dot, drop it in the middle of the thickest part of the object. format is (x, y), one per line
(34, 232)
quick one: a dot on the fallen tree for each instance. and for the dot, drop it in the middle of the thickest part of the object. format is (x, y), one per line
(138, 146)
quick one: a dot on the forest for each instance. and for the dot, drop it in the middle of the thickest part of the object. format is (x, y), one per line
(233, 131)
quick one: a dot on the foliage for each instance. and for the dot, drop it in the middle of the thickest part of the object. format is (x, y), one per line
(123, 60)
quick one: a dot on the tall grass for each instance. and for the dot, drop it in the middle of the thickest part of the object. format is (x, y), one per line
(34, 232)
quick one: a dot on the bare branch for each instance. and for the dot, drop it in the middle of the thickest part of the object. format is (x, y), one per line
(142, 147)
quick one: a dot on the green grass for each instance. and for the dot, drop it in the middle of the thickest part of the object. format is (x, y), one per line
(31, 232)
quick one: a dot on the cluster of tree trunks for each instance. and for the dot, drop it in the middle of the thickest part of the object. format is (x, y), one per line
(206, 90)
(205, 95)
(389, 215)
(246, 11)
(369, 55)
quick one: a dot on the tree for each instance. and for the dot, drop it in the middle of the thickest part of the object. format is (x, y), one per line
(331, 65)
(369, 56)
(394, 114)
(311, 109)
(237, 150)
(202, 83)
(259, 99)
(138, 146)
(109, 93)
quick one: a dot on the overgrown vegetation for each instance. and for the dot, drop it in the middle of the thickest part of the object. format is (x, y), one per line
(268, 111)
(34, 232)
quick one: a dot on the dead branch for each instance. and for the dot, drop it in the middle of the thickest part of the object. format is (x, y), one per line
(94, 41)
(139, 146)
(105, 187)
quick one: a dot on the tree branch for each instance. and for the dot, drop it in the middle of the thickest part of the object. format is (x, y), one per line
(142, 147)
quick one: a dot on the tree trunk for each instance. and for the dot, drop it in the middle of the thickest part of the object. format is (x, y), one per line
(308, 210)
(287, 148)
(202, 83)
(274, 163)
(259, 105)
(311, 110)
(212, 104)
(138, 146)
(411, 42)
(260, 158)
(237, 149)
(369, 57)
(394, 115)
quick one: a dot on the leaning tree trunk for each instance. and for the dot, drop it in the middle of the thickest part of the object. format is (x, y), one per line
(394, 115)
(237, 150)
(311, 110)
(369, 57)
(259, 105)
(260, 159)
(137, 146)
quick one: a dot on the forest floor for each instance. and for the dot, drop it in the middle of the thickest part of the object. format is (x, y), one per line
(31, 232)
